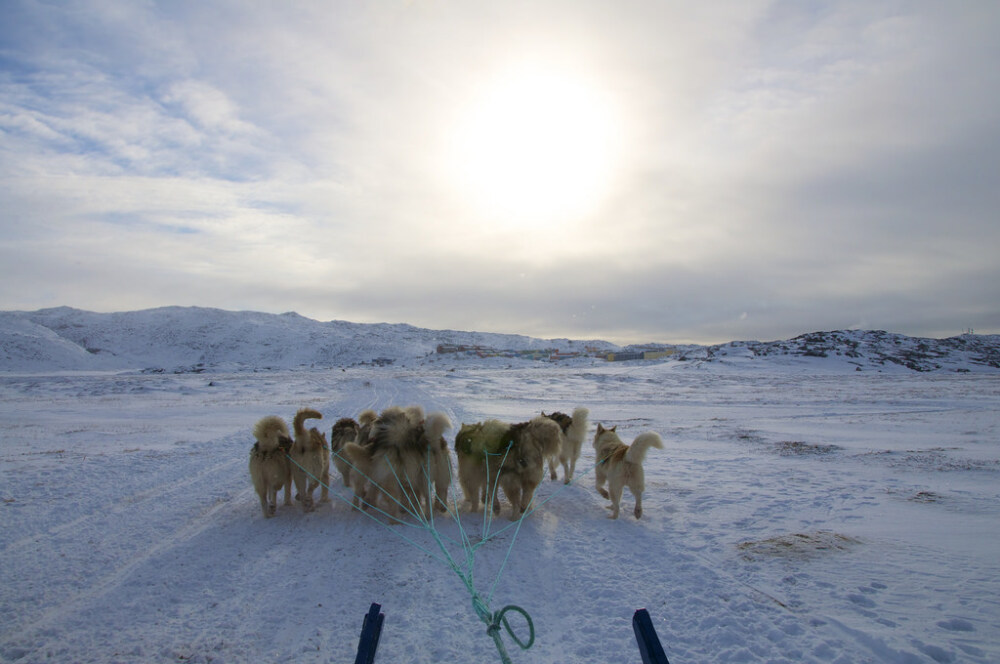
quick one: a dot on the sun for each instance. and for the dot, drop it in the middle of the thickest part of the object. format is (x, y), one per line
(535, 146)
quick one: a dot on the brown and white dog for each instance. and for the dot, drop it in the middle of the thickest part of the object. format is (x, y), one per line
(269, 467)
(311, 460)
(344, 431)
(402, 461)
(574, 430)
(492, 454)
(477, 447)
(620, 465)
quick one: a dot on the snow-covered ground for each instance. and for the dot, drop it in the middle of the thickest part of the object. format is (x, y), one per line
(796, 515)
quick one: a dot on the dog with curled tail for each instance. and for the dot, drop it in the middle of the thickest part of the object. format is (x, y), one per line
(269, 467)
(403, 463)
(493, 454)
(311, 460)
(574, 430)
(620, 465)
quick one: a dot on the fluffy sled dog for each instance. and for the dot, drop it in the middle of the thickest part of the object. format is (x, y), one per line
(620, 465)
(311, 455)
(492, 454)
(269, 467)
(344, 431)
(574, 430)
(478, 448)
(403, 461)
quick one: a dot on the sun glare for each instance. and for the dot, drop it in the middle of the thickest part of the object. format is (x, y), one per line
(535, 147)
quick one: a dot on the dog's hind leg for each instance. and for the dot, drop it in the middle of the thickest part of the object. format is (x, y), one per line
(638, 504)
(616, 498)
(288, 489)
(269, 500)
(263, 501)
(601, 478)
(512, 491)
(303, 494)
(324, 493)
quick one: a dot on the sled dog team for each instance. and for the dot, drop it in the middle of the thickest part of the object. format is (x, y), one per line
(399, 460)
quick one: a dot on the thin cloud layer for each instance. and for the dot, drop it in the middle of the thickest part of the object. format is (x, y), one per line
(777, 167)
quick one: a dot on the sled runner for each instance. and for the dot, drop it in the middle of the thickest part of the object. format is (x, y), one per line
(371, 630)
(645, 635)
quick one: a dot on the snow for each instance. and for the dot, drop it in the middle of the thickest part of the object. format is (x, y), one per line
(799, 513)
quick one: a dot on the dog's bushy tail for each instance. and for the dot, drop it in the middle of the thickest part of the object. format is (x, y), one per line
(304, 414)
(578, 429)
(359, 457)
(393, 429)
(268, 431)
(434, 427)
(414, 415)
(367, 417)
(637, 451)
(547, 433)
(343, 432)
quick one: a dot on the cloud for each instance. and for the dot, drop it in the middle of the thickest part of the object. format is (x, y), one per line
(782, 167)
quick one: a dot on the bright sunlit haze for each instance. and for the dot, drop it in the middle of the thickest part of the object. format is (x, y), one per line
(676, 172)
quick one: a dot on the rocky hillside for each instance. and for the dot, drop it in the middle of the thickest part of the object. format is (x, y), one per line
(865, 349)
(199, 339)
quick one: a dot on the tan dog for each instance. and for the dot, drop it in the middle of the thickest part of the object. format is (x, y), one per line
(269, 467)
(477, 447)
(492, 454)
(621, 465)
(524, 465)
(402, 462)
(311, 456)
(574, 430)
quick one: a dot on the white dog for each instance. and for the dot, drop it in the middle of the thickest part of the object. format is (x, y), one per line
(621, 465)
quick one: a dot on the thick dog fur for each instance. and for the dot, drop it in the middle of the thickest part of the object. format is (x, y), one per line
(403, 461)
(472, 445)
(344, 431)
(574, 430)
(620, 465)
(269, 467)
(311, 455)
(518, 465)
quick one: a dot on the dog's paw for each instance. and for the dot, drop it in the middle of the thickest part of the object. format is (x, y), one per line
(638, 512)
(604, 493)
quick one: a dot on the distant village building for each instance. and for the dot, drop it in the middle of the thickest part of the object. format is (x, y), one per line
(641, 355)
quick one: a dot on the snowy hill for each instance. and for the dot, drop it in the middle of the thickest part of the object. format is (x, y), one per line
(865, 350)
(199, 339)
(195, 338)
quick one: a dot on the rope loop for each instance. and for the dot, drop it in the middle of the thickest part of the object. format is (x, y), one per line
(500, 617)
(495, 620)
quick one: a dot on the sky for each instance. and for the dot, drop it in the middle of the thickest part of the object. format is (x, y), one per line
(631, 171)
